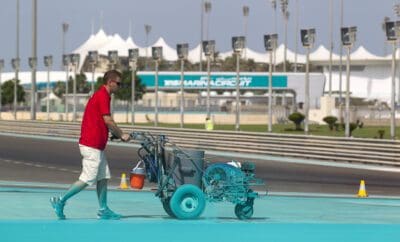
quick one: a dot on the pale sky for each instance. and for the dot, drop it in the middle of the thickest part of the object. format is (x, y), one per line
(179, 21)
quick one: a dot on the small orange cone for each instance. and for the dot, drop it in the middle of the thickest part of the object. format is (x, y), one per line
(362, 192)
(123, 184)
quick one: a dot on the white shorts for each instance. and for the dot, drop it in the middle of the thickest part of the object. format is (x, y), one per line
(94, 165)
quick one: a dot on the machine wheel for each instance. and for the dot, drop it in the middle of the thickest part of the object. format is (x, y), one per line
(244, 211)
(167, 208)
(187, 202)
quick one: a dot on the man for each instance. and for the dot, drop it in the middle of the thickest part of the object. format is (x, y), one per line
(96, 123)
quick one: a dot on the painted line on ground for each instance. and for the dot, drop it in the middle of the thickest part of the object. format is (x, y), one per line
(43, 185)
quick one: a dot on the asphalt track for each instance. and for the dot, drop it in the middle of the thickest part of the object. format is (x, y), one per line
(57, 161)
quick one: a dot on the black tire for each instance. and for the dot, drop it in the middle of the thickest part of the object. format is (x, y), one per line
(167, 208)
(244, 211)
(187, 202)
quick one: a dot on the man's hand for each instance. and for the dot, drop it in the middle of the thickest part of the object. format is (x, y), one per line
(125, 137)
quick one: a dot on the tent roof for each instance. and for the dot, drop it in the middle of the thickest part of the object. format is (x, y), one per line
(115, 43)
(362, 54)
(51, 96)
(322, 53)
(104, 43)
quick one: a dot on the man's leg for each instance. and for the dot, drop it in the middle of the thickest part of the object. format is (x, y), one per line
(58, 203)
(74, 189)
(104, 211)
(102, 193)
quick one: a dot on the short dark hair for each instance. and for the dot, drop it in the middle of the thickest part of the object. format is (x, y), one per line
(111, 75)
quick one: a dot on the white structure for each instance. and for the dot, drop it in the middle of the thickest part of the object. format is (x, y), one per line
(370, 74)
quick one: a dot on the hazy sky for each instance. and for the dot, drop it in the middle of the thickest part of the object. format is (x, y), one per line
(179, 21)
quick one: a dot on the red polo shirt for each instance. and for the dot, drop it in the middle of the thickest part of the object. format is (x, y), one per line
(94, 131)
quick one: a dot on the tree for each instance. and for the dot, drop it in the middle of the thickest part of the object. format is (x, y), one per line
(330, 120)
(82, 85)
(297, 119)
(126, 91)
(7, 89)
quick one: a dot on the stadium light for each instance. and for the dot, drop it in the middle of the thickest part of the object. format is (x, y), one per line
(209, 50)
(48, 62)
(270, 43)
(183, 52)
(75, 58)
(66, 60)
(15, 63)
(348, 36)
(238, 44)
(307, 39)
(156, 52)
(113, 58)
(93, 57)
(392, 36)
(1, 71)
(133, 55)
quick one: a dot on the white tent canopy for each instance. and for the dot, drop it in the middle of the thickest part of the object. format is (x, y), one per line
(51, 97)
(104, 43)
(322, 54)
(115, 43)
(362, 54)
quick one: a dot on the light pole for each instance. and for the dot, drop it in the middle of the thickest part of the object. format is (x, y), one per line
(385, 19)
(238, 44)
(1, 90)
(201, 36)
(157, 56)
(93, 59)
(75, 62)
(246, 11)
(15, 65)
(270, 43)
(147, 29)
(32, 61)
(285, 13)
(274, 7)
(341, 64)
(66, 60)
(209, 49)
(297, 36)
(64, 32)
(113, 59)
(133, 56)
(393, 34)
(16, 62)
(34, 55)
(48, 62)
(307, 39)
(330, 46)
(183, 52)
(207, 10)
(348, 35)
(397, 11)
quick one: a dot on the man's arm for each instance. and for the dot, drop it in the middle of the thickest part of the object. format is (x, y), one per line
(114, 128)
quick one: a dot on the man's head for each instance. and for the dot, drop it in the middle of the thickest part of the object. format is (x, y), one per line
(112, 80)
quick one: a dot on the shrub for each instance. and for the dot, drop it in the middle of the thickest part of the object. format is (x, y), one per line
(330, 120)
(381, 133)
(352, 127)
(297, 118)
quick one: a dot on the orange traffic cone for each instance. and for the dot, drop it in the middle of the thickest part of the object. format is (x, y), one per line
(123, 184)
(362, 192)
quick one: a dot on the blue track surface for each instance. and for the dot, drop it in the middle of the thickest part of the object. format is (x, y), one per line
(26, 215)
